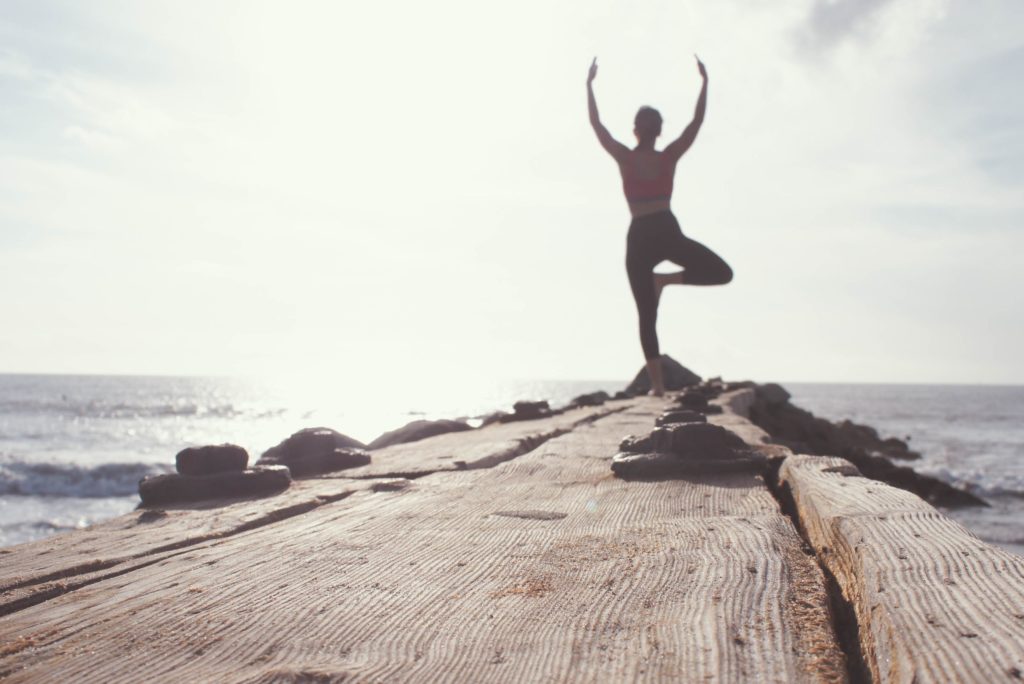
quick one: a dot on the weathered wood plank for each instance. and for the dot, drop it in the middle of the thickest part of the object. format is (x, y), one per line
(933, 602)
(736, 409)
(43, 568)
(482, 448)
(542, 568)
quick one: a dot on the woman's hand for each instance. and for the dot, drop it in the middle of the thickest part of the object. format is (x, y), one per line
(700, 68)
(593, 72)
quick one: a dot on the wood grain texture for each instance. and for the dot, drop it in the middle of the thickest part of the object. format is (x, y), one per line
(933, 602)
(735, 410)
(46, 568)
(542, 568)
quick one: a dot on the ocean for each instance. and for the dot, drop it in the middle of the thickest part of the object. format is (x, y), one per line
(73, 447)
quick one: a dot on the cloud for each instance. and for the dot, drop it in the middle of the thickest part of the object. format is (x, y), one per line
(830, 22)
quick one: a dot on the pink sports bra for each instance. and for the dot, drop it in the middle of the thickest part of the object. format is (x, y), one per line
(648, 177)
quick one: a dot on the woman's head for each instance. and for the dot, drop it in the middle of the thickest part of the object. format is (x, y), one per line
(647, 124)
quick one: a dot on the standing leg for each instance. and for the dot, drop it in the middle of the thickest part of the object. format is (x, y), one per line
(663, 279)
(639, 267)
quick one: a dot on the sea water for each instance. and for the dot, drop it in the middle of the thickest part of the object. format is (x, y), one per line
(971, 436)
(73, 448)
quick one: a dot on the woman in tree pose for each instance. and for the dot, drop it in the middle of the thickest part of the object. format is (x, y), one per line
(654, 234)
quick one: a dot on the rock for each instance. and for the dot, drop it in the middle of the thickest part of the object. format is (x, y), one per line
(895, 446)
(660, 466)
(496, 417)
(739, 384)
(417, 430)
(622, 394)
(676, 377)
(693, 400)
(700, 441)
(312, 448)
(633, 466)
(159, 490)
(207, 460)
(313, 463)
(709, 388)
(805, 433)
(528, 410)
(772, 394)
(696, 399)
(636, 445)
(680, 416)
(591, 399)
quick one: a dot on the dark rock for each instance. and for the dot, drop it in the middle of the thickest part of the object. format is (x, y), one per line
(528, 410)
(698, 440)
(531, 409)
(635, 445)
(712, 409)
(639, 466)
(805, 433)
(417, 430)
(309, 450)
(621, 394)
(591, 399)
(680, 416)
(772, 394)
(496, 417)
(739, 384)
(693, 400)
(207, 460)
(172, 488)
(313, 463)
(896, 446)
(675, 375)
(709, 388)
(660, 466)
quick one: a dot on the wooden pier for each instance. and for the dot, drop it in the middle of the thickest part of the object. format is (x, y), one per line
(511, 553)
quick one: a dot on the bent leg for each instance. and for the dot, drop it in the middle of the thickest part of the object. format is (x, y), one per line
(701, 265)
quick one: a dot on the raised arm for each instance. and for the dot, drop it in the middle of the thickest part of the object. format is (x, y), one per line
(677, 148)
(614, 147)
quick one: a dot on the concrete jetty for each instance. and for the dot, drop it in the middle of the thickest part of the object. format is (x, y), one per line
(513, 553)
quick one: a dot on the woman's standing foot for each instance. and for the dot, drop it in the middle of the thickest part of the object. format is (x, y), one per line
(654, 375)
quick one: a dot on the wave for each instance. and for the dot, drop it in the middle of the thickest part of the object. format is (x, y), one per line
(980, 482)
(96, 409)
(995, 491)
(65, 479)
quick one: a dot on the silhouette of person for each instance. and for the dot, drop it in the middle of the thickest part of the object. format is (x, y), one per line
(654, 234)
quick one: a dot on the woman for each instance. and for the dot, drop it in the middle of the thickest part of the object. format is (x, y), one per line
(654, 234)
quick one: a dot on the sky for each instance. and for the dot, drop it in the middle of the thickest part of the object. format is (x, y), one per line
(386, 192)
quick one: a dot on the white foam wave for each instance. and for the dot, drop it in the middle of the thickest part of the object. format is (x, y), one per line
(101, 409)
(980, 482)
(65, 479)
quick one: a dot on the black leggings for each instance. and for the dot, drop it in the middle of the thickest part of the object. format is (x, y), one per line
(652, 239)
